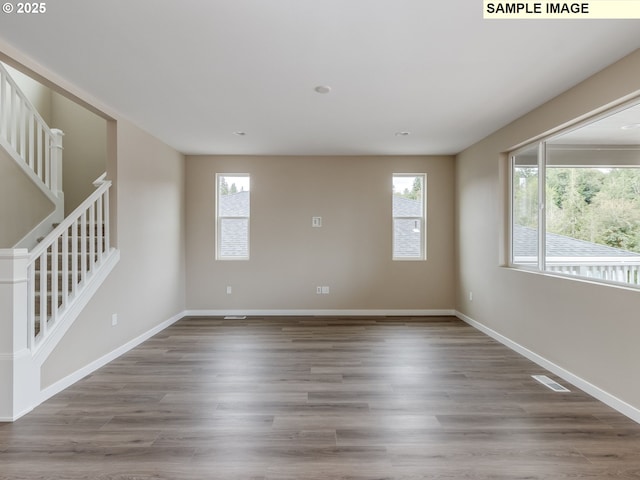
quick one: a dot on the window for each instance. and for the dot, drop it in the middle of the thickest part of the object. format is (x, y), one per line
(232, 216)
(525, 206)
(575, 201)
(409, 212)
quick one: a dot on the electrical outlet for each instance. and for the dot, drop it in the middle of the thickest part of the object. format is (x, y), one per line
(114, 319)
(229, 290)
(325, 290)
(316, 222)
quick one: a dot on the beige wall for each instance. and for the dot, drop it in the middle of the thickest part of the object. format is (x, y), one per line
(85, 148)
(351, 253)
(38, 94)
(147, 286)
(22, 204)
(85, 140)
(589, 330)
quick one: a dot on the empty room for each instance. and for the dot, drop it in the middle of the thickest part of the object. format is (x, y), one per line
(362, 239)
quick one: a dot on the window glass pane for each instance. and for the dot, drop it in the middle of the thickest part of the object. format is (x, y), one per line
(593, 222)
(234, 237)
(234, 196)
(407, 238)
(591, 204)
(407, 196)
(525, 207)
(233, 211)
(234, 205)
(593, 199)
(408, 211)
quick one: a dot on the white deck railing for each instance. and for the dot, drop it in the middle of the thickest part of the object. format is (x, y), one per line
(23, 130)
(610, 269)
(62, 264)
(613, 272)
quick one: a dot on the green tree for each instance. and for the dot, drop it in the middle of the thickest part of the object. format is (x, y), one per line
(233, 189)
(525, 196)
(596, 205)
(615, 215)
(224, 186)
(416, 189)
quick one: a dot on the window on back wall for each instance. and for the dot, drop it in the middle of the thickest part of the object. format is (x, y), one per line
(232, 216)
(575, 201)
(409, 213)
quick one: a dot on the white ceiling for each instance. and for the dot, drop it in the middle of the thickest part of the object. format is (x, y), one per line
(193, 72)
(617, 129)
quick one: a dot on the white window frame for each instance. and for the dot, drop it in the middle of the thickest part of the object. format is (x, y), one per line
(219, 218)
(422, 221)
(541, 144)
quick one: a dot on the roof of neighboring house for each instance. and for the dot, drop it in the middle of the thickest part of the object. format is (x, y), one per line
(234, 204)
(406, 207)
(234, 241)
(525, 244)
(406, 232)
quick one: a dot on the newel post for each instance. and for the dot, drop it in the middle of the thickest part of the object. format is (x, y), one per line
(56, 161)
(19, 378)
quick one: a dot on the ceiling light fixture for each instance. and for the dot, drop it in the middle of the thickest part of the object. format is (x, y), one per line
(239, 133)
(630, 126)
(402, 134)
(323, 89)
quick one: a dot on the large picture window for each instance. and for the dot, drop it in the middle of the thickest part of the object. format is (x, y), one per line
(409, 207)
(575, 201)
(232, 216)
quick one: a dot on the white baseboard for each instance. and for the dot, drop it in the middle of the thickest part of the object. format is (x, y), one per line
(322, 313)
(596, 392)
(69, 380)
(17, 417)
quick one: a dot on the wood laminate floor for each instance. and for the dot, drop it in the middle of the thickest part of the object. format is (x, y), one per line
(319, 398)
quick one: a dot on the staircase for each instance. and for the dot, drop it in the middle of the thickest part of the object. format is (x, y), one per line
(45, 282)
(35, 148)
(64, 262)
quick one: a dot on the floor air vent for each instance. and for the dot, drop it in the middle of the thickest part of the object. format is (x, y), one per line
(235, 317)
(552, 384)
